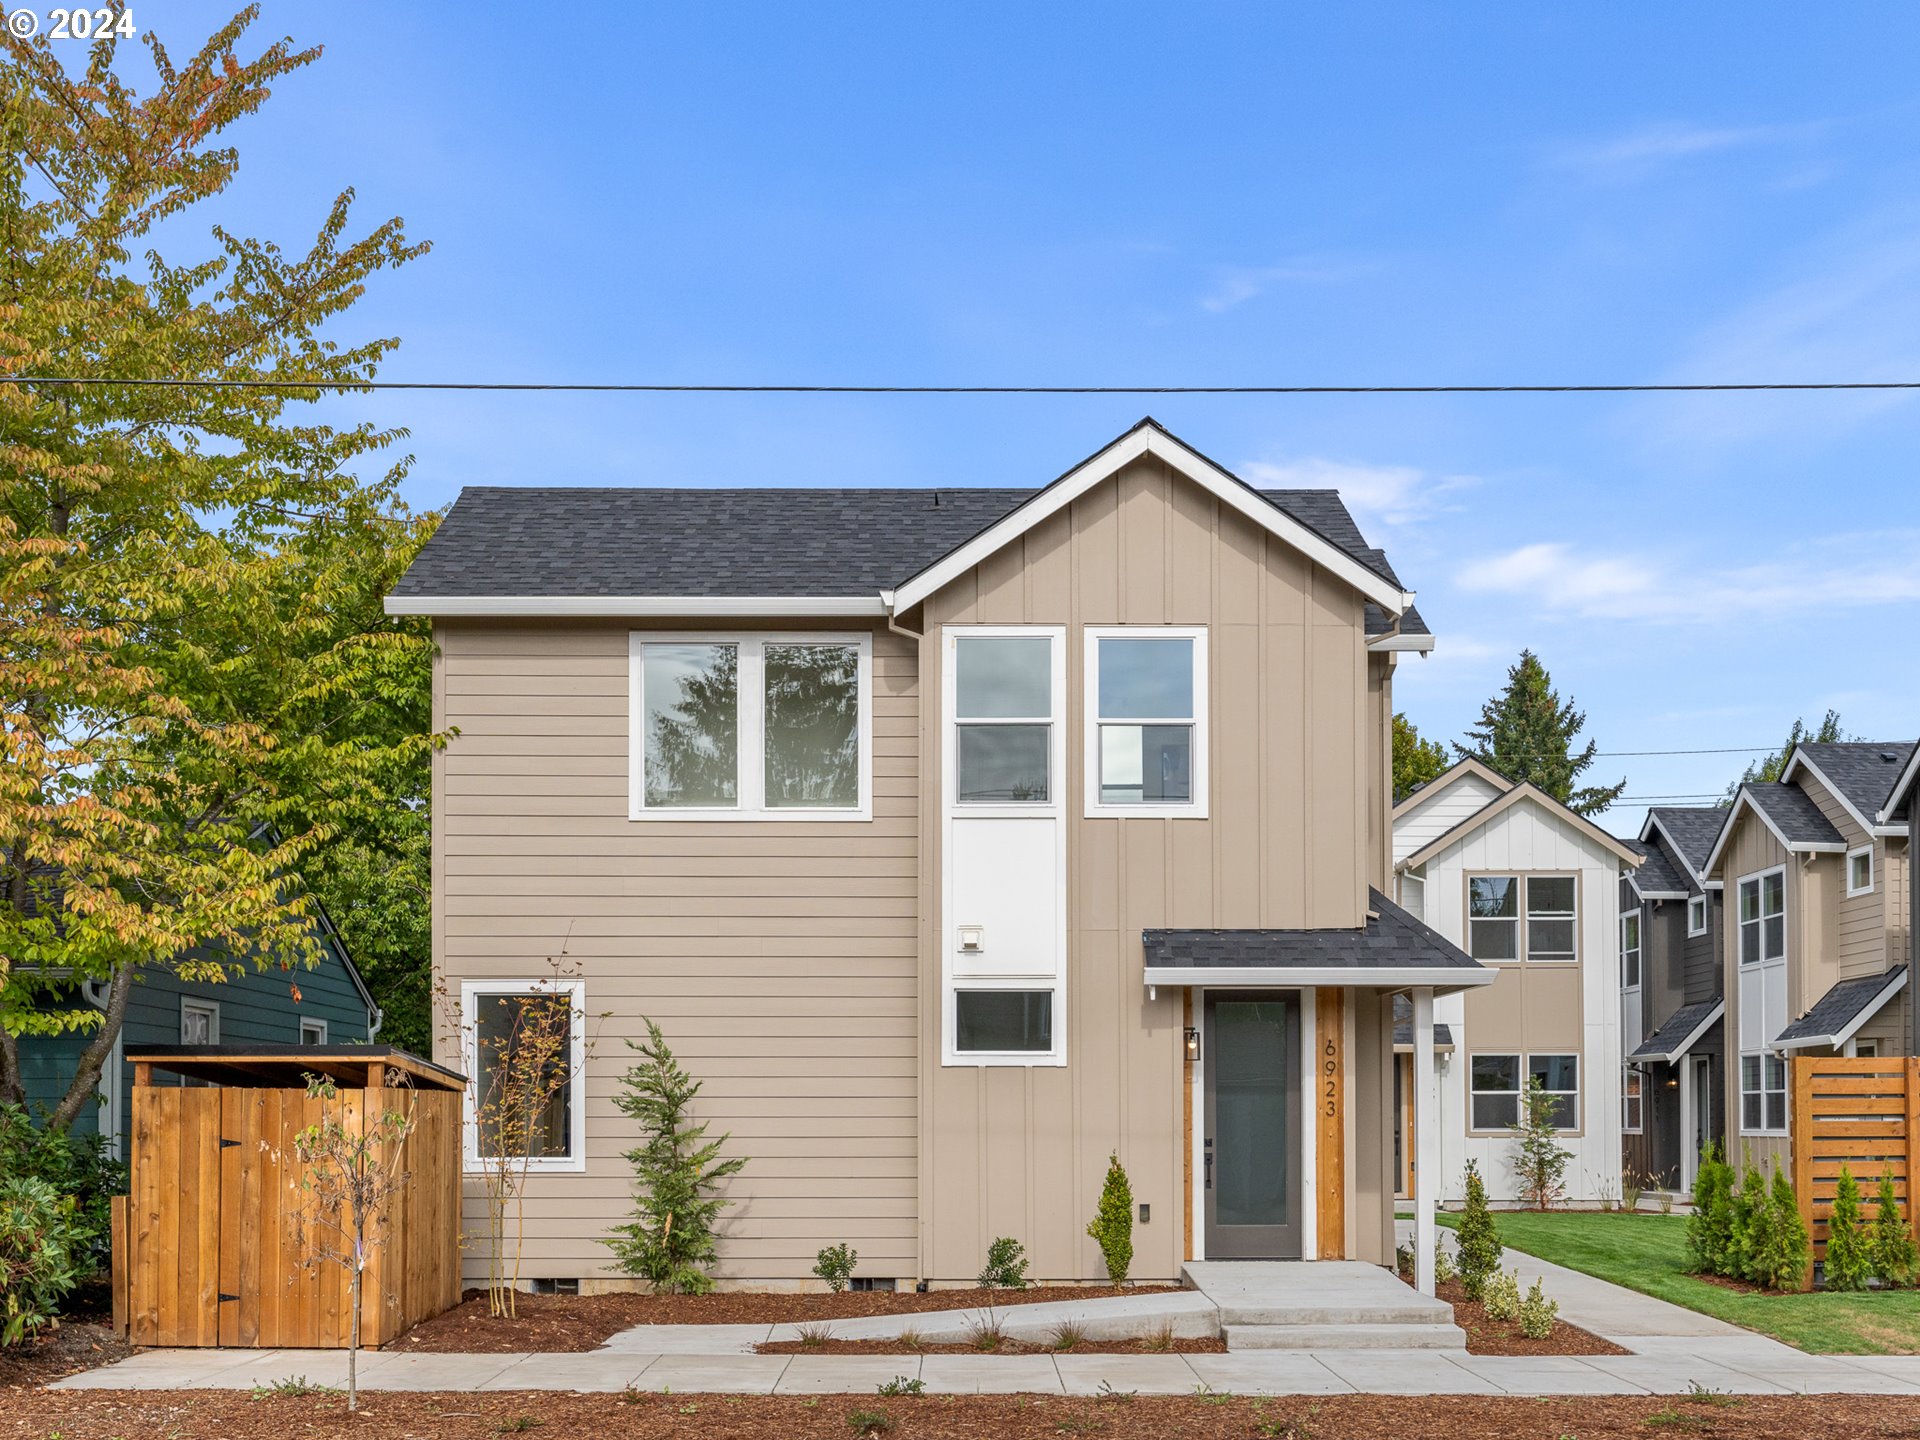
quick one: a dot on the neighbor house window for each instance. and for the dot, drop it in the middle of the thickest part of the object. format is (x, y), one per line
(1496, 1091)
(1550, 918)
(199, 1022)
(1697, 916)
(1559, 1077)
(313, 1032)
(1860, 870)
(1760, 903)
(524, 1044)
(1630, 950)
(1146, 721)
(1631, 1101)
(1493, 923)
(1763, 1094)
(751, 727)
(1496, 905)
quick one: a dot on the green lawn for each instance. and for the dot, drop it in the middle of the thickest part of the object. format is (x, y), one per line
(1648, 1253)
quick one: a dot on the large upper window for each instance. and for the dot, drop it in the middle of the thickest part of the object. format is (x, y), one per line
(1761, 914)
(1763, 918)
(1496, 905)
(1146, 721)
(730, 727)
(524, 1044)
(1003, 719)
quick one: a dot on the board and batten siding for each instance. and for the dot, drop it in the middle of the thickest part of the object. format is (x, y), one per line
(1297, 728)
(1429, 817)
(1753, 848)
(778, 957)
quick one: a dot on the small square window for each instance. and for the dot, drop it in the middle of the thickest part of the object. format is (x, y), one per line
(1860, 871)
(313, 1032)
(1003, 1021)
(1697, 916)
(199, 1022)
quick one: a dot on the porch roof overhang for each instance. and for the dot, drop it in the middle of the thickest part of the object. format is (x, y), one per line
(1391, 951)
(1837, 1015)
(1680, 1032)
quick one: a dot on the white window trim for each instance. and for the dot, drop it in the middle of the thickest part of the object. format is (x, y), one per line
(1693, 932)
(1852, 855)
(750, 733)
(1527, 917)
(1759, 879)
(1630, 1103)
(1639, 950)
(1054, 809)
(316, 1023)
(1518, 1093)
(1578, 1093)
(210, 1008)
(1094, 807)
(1786, 1091)
(573, 1163)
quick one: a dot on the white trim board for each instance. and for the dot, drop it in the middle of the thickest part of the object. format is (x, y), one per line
(1295, 977)
(618, 607)
(573, 1163)
(1846, 1032)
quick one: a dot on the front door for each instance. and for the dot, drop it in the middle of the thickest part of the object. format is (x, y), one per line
(1250, 1145)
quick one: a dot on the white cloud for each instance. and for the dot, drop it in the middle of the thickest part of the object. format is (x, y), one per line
(1832, 573)
(1391, 494)
(1636, 153)
(1236, 284)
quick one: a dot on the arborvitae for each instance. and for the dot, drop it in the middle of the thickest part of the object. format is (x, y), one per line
(1112, 1224)
(1890, 1241)
(1783, 1256)
(1477, 1239)
(1848, 1263)
(1751, 1221)
(1712, 1218)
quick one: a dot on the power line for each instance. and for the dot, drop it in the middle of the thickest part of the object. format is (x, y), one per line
(1698, 795)
(641, 388)
(1726, 750)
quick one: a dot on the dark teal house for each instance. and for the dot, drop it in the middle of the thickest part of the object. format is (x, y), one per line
(325, 1005)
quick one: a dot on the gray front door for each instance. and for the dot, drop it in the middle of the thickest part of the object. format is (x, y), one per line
(1251, 1141)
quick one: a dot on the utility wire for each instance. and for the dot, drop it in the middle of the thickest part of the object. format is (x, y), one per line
(663, 389)
(1726, 750)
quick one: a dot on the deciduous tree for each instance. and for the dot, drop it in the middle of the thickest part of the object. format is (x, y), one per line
(1415, 760)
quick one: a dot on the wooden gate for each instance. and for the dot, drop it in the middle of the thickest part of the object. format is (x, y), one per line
(1863, 1114)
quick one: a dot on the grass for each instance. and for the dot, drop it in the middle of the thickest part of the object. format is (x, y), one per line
(1648, 1253)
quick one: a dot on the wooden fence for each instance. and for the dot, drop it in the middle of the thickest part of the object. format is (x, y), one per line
(1863, 1114)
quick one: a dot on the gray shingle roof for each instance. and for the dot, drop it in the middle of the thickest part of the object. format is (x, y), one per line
(1403, 1026)
(1658, 874)
(1674, 1031)
(1692, 828)
(1794, 812)
(1834, 1011)
(1862, 770)
(1391, 940)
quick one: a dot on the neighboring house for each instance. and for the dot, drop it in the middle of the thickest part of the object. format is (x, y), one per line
(1672, 1002)
(1903, 808)
(1529, 889)
(956, 839)
(325, 1005)
(1817, 929)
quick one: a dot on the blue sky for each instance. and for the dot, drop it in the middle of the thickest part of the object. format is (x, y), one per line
(1123, 193)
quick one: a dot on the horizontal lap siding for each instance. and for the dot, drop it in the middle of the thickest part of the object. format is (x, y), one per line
(779, 958)
(1865, 939)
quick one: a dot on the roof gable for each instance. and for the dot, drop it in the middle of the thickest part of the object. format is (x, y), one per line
(1859, 774)
(1465, 768)
(1786, 810)
(1689, 831)
(1525, 792)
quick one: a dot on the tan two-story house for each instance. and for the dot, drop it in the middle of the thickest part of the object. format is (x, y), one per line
(956, 839)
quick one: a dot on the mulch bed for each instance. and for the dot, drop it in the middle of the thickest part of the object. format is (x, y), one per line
(1213, 1346)
(213, 1415)
(75, 1346)
(1487, 1336)
(584, 1322)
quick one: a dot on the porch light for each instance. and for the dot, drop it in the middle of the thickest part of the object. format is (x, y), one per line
(1193, 1045)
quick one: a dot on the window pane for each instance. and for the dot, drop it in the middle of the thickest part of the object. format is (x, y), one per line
(1861, 868)
(1776, 1073)
(1146, 679)
(691, 695)
(1550, 895)
(1775, 942)
(1750, 943)
(1491, 895)
(1493, 939)
(1019, 1020)
(1564, 1112)
(1555, 1072)
(1776, 1110)
(1550, 939)
(813, 726)
(523, 1062)
(1495, 1112)
(1003, 764)
(1749, 1072)
(1750, 1111)
(1146, 764)
(1773, 894)
(1630, 932)
(1496, 1072)
(1749, 899)
(1003, 677)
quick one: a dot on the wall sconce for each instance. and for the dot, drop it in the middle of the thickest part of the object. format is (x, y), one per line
(1193, 1045)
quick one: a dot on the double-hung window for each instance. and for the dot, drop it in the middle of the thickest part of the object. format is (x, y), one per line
(525, 1051)
(1760, 915)
(1763, 1094)
(1146, 734)
(1632, 1100)
(1630, 950)
(751, 727)
(1497, 906)
(1559, 1079)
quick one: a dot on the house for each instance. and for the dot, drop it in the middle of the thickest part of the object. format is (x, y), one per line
(1528, 888)
(1672, 998)
(1903, 808)
(956, 838)
(273, 1004)
(1815, 947)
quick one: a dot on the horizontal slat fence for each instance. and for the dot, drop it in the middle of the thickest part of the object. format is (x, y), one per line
(1860, 1113)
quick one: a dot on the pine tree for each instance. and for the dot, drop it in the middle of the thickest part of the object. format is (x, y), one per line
(1476, 1239)
(1890, 1242)
(1112, 1223)
(1415, 760)
(671, 1240)
(1847, 1265)
(1527, 733)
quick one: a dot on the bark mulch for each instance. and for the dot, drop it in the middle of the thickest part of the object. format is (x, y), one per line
(75, 1346)
(217, 1415)
(1212, 1346)
(1487, 1336)
(584, 1322)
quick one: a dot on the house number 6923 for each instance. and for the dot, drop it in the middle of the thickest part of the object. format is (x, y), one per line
(1330, 1067)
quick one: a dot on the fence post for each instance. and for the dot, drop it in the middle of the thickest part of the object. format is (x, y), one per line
(1800, 1150)
(1912, 1184)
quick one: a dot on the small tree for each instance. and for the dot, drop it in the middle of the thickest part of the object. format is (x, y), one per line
(1112, 1225)
(1477, 1239)
(1541, 1163)
(1006, 1267)
(1783, 1256)
(352, 1171)
(671, 1240)
(1415, 760)
(1890, 1242)
(1712, 1217)
(1750, 1226)
(835, 1265)
(1848, 1262)
(38, 1237)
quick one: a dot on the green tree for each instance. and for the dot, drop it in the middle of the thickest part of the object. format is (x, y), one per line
(191, 647)
(1848, 1261)
(1750, 1235)
(1773, 766)
(1782, 1256)
(671, 1239)
(1710, 1226)
(1415, 760)
(1478, 1239)
(1527, 732)
(1891, 1239)
(1112, 1224)
(1540, 1160)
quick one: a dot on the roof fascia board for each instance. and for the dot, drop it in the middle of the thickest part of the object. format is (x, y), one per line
(1299, 976)
(1526, 790)
(1440, 784)
(1900, 787)
(635, 606)
(1634, 881)
(1414, 644)
(1866, 1012)
(1719, 1009)
(1147, 440)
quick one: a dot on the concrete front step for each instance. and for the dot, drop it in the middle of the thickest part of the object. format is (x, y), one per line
(1417, 1311)
(1345, 1337)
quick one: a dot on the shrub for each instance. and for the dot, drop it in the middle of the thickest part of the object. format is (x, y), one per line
(1477, 1240)
(834, 1264)
(1501, 1295)
(869, 1422)
(1541, 1161)
(1112, 1225)
(1848, 1263)
(38, 1234)
(1710, 1227)
(1780, 1258)
(1537, 1313)
(1747, 1230)
(77, 1166)
(671, 1240)
(1443, 1270)
(1403, 1261)
(1890, 1242)
(1006, 1267)
(1633, 1185)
